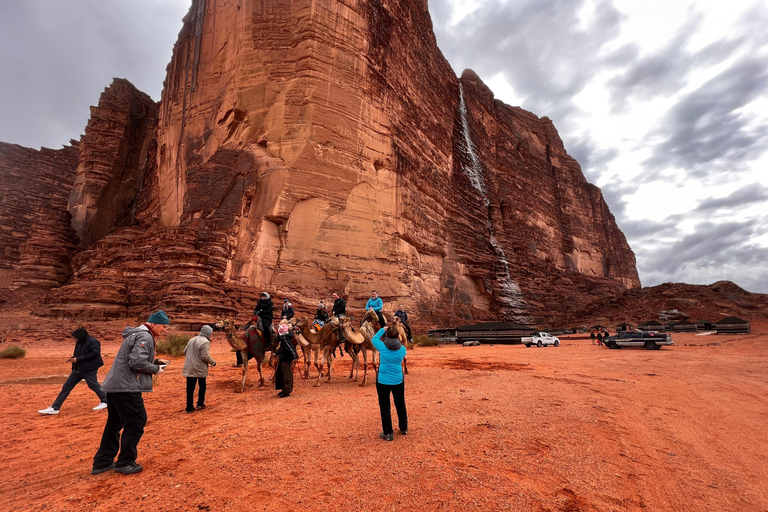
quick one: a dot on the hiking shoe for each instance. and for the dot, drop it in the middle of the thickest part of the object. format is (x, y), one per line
(201, 406)
(386, 437)
(130, 469)
(48, 410)
(403, 432)
(189, 411)
(98, 471)
(102, 405)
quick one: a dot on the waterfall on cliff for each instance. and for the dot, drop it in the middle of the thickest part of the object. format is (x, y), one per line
(511, 295)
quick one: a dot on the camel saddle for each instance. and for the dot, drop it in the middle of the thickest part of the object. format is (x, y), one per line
(254, 339)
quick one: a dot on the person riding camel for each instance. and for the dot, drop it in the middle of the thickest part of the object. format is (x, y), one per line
(376, 305)
(264, 311)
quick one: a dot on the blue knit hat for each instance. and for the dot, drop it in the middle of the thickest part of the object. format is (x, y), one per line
(159, 317)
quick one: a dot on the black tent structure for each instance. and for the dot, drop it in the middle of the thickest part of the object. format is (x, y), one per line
(732, 325)
(683, 326)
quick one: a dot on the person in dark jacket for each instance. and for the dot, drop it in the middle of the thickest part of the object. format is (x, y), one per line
(86, 361)
(130, 376)
(288, 312)
(286, 352)
(264, 310)
(339, 306)
(322, 313)
(403, 316)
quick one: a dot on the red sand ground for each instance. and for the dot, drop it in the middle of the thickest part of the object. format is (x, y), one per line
(578, 427)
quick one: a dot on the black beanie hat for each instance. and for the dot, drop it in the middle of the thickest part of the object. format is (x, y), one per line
(80, 334)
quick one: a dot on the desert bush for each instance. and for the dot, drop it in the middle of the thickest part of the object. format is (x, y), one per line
(13, 352)
(425, 341)
(173, 345)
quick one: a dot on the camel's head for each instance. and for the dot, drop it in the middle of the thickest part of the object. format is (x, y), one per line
(370, 315)
(334, 321)
(344, 321)
(226, 324)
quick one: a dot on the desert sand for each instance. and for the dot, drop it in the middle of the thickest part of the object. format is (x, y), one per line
(575, 427)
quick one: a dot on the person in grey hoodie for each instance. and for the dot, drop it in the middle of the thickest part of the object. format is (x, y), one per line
(197, 357)
(129, 377)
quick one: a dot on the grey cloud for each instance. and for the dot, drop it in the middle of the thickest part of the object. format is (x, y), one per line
(745, 196)
(712, 252)
(705, 131)
(541, 48)
(57, 57)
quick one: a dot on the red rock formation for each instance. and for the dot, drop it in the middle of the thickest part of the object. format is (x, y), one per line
(114, 155)
(308, 147)
(36, 240)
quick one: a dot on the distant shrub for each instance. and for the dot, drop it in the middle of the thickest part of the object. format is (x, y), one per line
(425, 341)
(173, 345)
(13, 352)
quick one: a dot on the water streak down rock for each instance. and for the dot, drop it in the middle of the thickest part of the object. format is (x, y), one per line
(313, 146)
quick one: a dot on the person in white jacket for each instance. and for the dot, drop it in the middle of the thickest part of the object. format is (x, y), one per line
(197, 357)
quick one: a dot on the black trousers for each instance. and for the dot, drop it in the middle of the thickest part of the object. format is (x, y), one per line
(126, 413)
(191, 382)
(382, 320)
(398, 395)
(72, 381)
(284, 377)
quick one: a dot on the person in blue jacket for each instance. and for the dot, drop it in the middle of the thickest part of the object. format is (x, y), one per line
(390, 380)
(376, 305)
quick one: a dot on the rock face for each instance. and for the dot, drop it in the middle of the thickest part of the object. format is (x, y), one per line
(315, 146)
(36, 240)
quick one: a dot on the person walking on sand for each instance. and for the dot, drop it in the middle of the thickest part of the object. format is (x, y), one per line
(390, 380)
(129, 377)
(599, 338)
(592, 335)
(197, 357)
(86, 361)
(287, 354)
(376, 305)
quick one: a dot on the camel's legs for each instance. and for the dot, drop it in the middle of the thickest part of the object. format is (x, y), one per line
(365, 364)
(244, 354)
(329, 359)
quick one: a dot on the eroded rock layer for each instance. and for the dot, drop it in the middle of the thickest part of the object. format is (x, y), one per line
(36, 240)
(314, 146)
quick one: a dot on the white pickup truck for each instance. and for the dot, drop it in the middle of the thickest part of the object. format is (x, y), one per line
(541, 339)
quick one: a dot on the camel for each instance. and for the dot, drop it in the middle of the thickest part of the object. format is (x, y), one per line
(308, 350)
(357, 342)
(403, 336)
(326, 338)
(238, 342)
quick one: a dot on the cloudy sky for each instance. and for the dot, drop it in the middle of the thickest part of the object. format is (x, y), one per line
(664, 103)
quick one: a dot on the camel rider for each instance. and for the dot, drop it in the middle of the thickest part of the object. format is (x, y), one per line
(339, 310)
(322, 314)
(403, 316)
(263, 310)
(376, 305)
(288, 312)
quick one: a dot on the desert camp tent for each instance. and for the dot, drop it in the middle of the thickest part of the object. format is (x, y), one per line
(651, 325)
(732, 325)
(683, 326)
(624, 327)
(494, 332)
(445, 335)
(705, 325)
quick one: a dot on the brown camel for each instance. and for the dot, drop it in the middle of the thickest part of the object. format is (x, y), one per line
(357, 342)
(326, 337)
(403, 336)
(308, 350)
(237, 342)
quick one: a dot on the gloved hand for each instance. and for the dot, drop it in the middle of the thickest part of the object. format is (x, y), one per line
(214, 363)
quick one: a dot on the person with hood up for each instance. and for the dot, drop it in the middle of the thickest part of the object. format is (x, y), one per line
(264, 310)
(287, 354)
(130, 376)
(390, 380)
(86, 361)
(197, 357)
(288, 312)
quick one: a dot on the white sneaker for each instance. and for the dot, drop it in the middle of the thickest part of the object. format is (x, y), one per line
(48, 410)
(102, 405)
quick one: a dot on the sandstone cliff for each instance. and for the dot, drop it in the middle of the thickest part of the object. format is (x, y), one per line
(315, 146)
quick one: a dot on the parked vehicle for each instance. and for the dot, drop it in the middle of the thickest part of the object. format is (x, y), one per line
(651, 340)
(541, 339)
